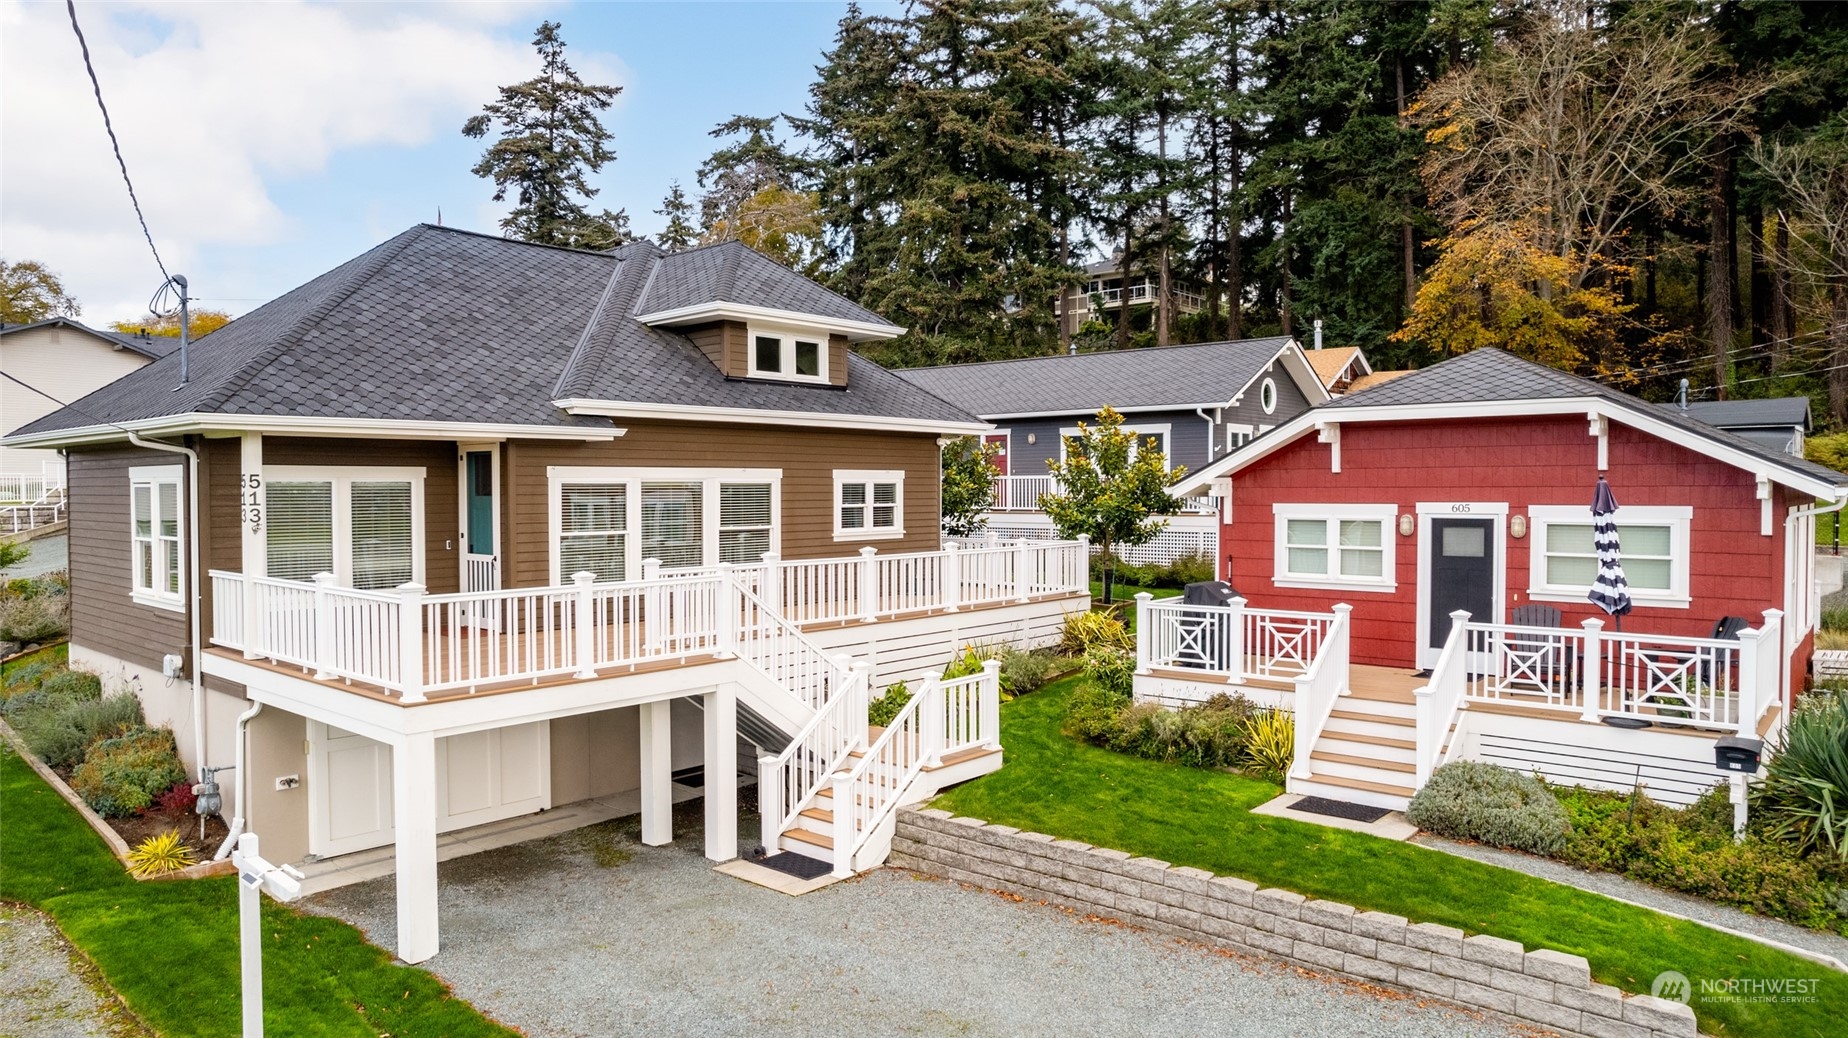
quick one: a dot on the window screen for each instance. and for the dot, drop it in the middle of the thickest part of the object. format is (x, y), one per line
(593, 532)
(744, 522)
(300, 518)
(672, 524)
(382, 534)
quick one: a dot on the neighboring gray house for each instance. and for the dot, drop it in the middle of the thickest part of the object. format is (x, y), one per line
(1198, 402)
(1780, 423)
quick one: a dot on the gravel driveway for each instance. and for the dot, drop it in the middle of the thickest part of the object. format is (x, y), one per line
(46, 990)
(591, 933)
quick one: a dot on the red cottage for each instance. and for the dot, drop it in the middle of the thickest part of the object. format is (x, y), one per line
(1432, 539)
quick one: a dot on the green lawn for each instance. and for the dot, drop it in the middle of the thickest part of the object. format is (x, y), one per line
(170, 948)
(1190, 816)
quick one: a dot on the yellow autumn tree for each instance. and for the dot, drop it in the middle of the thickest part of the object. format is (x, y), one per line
(200, 323)
(782, 223)
(1494, 286)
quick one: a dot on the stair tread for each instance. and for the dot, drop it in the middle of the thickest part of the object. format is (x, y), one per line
(1364, 762)
(1392, 719)
(810, 837)
(960, 756)
(1354, 783)
(819, 814)
(1374, 740)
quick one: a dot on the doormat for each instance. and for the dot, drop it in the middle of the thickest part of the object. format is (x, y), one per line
(1339, 809)
(800, 866)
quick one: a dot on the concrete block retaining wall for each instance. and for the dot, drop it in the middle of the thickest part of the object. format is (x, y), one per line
(1544, 987)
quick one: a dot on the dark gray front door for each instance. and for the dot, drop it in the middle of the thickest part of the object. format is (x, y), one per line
(1462, 573)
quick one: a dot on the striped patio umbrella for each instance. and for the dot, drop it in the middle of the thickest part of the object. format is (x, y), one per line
(1611, 591)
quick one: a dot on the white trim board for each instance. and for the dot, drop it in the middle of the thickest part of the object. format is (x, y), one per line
(744, 416)
(212, 425)
(700, 313)
(1496, 512)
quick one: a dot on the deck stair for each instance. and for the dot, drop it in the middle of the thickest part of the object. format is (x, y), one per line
(812, 834)
(1365, 753)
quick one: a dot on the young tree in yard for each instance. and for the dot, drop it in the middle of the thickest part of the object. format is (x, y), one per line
(679, 234)
(1112, 489)
(198, 323)
(551, 141)
(968, 485)
(29, 292)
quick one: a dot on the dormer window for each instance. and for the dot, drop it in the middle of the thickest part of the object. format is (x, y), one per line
(783, 354)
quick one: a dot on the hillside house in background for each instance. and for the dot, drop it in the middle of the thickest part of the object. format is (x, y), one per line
(1413, 562)
(468, 528)
(1197, 403)
(1108, 288)
(1781, 423)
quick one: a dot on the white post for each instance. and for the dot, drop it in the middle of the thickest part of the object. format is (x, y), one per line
(1591, 667)
(652, 619)
(990, 720)
(1082, 576)
(722, 773)
(770, 801)
(933, 703)
(583, 625)
(844, 825)
(254, 551)
(1751, 644)
(1235, 641)
(250, 941)
(1736, 793)
(410, 653)
(1341, 642)
(1023, 570)
(414, 821)
(731, 609)
(1778, 646)
(1145, 631)
(323, 628)
(1424, 717)
(952, 578)
(772, 591)
(657, 739)
(863, 682)
(869, 585)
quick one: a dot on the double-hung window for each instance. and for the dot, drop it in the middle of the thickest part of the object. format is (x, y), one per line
(156, 518)
(785, 354)
(868, 505)
(362, 524)
(1143, 437)
(1340, 547)
(1653, 544)
(607, 521)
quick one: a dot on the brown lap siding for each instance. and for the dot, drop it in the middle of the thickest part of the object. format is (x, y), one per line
(807, 458)
(104, 618)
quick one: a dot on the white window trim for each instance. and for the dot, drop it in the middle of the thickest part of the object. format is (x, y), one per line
(154, 477)
(1678, 519)
(1234, 430)
(1385, 514)
(788, 334)
(343, 477)
(1267, 395)
(1164, 429)
(843, 477)
(558, 475)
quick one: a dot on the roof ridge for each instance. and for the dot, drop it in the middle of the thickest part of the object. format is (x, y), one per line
(1101, 353)
(291, 336)
(581, 352)
(531, 244)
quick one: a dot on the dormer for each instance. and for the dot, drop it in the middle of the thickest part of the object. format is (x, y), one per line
(756, 319)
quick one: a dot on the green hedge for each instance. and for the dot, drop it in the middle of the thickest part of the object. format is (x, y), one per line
(123, 775)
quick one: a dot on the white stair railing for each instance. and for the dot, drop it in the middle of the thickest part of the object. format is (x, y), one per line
(1437, 702)
(1317, 690)
(789, 782)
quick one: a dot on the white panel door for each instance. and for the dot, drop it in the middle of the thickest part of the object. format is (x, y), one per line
(349, 786)
(486, 776)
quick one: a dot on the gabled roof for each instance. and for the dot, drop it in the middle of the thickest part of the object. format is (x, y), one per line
(703, 283)
(1199, 375)
(1375, 378)
(153, 347)
(1494, 383)
(439, 325)
(1780, 412)
(1331, 361)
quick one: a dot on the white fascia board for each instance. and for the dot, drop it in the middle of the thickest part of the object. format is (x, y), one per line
(1511, 409)
(699, 313)
(1091, 415)
(746, 416)
(280, 425)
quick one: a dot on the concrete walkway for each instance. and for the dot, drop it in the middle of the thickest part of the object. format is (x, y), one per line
(590, 933)
(47, 990)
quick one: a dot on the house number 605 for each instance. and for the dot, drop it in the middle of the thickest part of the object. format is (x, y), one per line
(250, 501)
(1459, 508)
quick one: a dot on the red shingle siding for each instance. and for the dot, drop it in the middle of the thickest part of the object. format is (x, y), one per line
(1734, 569)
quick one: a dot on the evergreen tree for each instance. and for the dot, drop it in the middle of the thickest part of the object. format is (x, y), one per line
(742, 170)
(679, 234)
(551, 140)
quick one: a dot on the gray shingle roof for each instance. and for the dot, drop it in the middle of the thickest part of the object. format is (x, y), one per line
(442, 325)
(1157, 377)
(1489, 375)
(1772, 412)
(731, 272)
(153, 347)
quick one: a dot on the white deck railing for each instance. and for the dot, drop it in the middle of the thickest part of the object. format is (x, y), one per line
(26, 488)
(1022, 494)
(1436, 703)
(1232, 641)
(1320, 687)
(874, 586)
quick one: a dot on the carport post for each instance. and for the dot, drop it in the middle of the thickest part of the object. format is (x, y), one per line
(413, 769)
(722, 773)
(657, 772)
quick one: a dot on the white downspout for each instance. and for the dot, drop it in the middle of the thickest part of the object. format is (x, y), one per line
(243, 781)
(192, 525)
(1211, 433)
(1811, 616)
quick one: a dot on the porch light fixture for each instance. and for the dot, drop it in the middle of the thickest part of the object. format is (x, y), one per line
(1407, 525)
(1517, 526)
(1032, 438)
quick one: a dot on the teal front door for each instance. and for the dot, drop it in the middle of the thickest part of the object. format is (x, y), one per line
(482, 558)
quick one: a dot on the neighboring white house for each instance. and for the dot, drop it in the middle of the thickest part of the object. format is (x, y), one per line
(66, 360)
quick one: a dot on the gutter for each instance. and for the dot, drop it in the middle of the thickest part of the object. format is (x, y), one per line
(195, 597)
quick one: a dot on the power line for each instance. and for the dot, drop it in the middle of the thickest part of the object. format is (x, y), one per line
(116, 145)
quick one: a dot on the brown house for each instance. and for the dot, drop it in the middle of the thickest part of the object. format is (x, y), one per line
(469, 528)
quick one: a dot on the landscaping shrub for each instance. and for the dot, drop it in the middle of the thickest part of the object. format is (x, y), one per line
(1472, 800)
(1084, 631)
(1024, 672)
(34, 619)
(1188, 569)
(1111, 668)
(123, 775)
(1270, 743)
(1093, 713)
(177, 800)
(159, 855)
(61, 731)
(74, 685)
(1803, 797)
(884, 710)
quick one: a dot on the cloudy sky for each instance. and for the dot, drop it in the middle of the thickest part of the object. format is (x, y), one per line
(269, 142)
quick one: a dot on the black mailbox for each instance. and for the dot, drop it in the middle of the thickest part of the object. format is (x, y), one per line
(1737, 753)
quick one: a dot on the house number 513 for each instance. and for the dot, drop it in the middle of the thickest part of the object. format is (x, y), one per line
(250, 501)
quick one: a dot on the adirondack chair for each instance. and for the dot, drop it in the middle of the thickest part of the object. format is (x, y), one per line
(1538, 660)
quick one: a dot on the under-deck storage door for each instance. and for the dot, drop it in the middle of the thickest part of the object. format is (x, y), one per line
(349, 783)
(487, 776)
